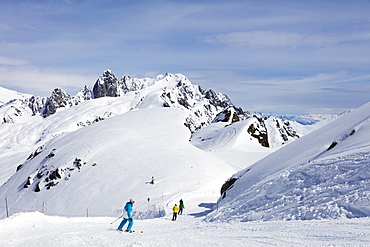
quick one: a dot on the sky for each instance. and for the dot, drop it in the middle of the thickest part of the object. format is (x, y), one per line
(282, 57)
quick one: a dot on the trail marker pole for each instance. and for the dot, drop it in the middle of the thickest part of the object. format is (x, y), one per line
(6, 205)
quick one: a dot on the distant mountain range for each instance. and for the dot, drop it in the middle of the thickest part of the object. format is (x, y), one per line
(203, 106)
(308, 119)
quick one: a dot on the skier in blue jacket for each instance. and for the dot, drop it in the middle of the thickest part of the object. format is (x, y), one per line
(128, 210)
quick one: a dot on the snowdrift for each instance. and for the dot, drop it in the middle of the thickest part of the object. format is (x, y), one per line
(325, 174)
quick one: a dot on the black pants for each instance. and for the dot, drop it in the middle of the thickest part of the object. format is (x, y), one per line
(174, 217)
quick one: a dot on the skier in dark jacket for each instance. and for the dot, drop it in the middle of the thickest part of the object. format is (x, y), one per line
(181, 206)
(128, 210)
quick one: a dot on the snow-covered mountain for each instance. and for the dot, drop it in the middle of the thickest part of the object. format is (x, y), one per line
(88, 154)
(170, 90)
(325, 174)
(98, 148)
(102, 165)
(18, 107)
(307, 119)
(202, 107)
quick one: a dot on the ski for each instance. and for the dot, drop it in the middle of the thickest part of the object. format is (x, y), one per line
(132, 231)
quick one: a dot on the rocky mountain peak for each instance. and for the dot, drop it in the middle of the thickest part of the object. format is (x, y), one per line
(84, 94)
(58, 99)
(107, 85)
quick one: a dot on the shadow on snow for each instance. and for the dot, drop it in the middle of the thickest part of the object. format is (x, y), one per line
(209, 207)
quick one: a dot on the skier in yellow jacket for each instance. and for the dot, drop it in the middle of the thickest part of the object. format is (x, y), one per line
(175, 210)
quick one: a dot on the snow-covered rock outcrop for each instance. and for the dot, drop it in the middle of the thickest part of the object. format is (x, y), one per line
(21, 109)
(107, 85)
(58, 99)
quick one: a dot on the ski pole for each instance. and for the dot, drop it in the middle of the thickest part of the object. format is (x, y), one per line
(117, 219)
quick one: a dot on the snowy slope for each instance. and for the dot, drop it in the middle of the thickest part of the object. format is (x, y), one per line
(325, 174)
(99, 167)
(25, 130)
(231, 143)
(24, 127)
(16, 106)
(91, 158)
(19, 140)
(6, 95)
(70, 157)
(53, 155)
(36, 229)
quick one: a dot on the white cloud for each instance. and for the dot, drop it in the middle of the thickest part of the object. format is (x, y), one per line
(28, 79)
(151, 74)
(11, 61)
(330, 93)
(269, 39)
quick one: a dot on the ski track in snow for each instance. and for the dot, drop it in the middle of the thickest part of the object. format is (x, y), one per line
(36, 229)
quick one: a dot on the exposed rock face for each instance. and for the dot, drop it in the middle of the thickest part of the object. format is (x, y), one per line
(107, 85)
(84, 95)
(23, 108)
(58, 99)
(218, 99)
(36, 104)
(286, 130)
(16, 109)
(258, 131)
(202, 105)
(228, 115)
(47, 177)
(272, 131)
(227, 185)
(129, 84)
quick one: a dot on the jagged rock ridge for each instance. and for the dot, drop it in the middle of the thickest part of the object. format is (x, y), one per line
(175, 90)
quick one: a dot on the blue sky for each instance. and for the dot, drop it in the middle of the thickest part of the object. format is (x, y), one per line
(283, 57)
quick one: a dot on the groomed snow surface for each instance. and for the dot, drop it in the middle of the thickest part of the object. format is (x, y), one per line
(36, 229)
